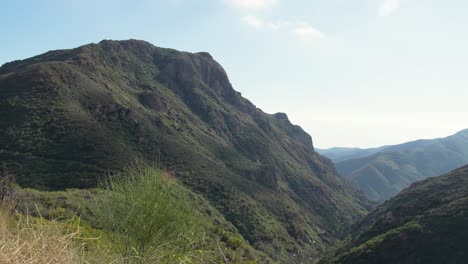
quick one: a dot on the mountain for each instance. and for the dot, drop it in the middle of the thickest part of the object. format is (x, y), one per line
(71, 116)
(341, 154)
(385, 173)
(426, 223)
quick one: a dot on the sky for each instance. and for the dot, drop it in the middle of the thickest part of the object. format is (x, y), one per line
(359, 73)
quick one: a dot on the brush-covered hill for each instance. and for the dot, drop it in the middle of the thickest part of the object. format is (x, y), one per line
(426, 223)
(385, 173)
(69, 116)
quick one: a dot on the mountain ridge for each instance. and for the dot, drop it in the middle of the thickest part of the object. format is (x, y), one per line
(337, 154)
(389, 170)
(72, 115)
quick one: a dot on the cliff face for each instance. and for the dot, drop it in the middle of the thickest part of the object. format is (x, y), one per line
(69, 116)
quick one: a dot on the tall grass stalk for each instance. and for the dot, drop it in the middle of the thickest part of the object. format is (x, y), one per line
(31, 240)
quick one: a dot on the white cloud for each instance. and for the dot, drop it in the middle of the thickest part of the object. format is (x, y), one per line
(388, 7)
(251, 4)
(301, 30)
(254, 22)
(306, 32)
(259, 23)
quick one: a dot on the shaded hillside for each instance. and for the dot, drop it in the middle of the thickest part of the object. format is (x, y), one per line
(385, 173)
(341, 154)
(426, 223)
(68, 116)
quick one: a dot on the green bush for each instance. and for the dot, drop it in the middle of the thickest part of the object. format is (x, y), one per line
(148, 216)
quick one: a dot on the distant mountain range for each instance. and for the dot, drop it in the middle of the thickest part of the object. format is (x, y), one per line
(382, 172)
(340, 154)
(70, 116)
(426, 223)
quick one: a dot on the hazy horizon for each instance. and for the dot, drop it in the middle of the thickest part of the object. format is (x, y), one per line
(351, 73)
(392, 143)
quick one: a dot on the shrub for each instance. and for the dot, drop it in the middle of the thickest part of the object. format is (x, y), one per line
(148, 216)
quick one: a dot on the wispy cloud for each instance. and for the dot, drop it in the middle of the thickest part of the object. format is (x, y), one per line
(259, 23)
(254, 21)
(306, 32)
(251, 4)
(388, 7)
(301, 30)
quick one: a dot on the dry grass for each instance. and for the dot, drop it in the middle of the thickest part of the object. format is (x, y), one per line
(31, 240)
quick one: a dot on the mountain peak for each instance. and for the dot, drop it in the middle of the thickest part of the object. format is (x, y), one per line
(205, 55)
(129, 41)
(281, 116)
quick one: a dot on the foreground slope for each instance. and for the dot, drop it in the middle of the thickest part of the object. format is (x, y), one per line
(384, 174)
(426, 223)
(69, 116)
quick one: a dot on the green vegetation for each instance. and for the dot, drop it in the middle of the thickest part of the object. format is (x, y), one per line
(148, 216)
(69, 117)
(425, 223)
(384, 174)
(141, 215)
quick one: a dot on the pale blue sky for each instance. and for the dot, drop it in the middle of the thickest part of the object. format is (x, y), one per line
(350, 72)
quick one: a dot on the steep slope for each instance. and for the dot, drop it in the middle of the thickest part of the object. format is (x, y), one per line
(387, 172)
(341, 154)
(69, 116)
(426, 223)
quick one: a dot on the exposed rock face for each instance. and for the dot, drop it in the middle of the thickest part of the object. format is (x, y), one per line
(294, 131)
(69, 116)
